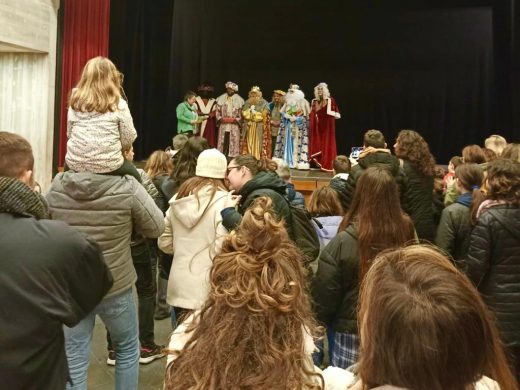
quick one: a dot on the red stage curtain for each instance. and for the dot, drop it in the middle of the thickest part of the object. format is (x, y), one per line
(85, 35)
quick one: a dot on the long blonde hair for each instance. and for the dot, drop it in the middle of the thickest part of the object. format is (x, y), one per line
(99, 88)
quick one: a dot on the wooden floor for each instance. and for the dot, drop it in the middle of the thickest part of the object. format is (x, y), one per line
(307, 181)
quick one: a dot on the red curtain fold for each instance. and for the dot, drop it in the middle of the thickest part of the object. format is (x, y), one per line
(85, 35)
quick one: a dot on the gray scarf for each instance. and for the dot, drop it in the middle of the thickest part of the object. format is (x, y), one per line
(17, 198)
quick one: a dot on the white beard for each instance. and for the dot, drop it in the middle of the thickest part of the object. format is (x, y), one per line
(291, 98)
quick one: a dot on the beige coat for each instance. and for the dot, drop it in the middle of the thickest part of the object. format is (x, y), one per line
(193, 234)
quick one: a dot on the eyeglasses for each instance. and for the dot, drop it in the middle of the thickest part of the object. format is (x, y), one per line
(230, 168)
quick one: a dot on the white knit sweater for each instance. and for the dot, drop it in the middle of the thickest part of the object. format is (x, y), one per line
(95, 140)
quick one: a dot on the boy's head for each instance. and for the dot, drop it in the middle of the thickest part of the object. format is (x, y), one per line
(375, 139)
(16, 157)
(341, 164)
(179, 141)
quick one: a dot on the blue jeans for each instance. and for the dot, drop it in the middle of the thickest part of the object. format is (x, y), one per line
(119, 315)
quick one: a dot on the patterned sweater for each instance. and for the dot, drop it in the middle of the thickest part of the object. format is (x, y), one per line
(95, 140)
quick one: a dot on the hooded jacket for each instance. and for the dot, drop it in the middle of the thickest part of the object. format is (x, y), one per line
(373, 158)
(326, 228)
(194, 235)
(493, 264)
(263, 184)
(106, 209)
(335, 286)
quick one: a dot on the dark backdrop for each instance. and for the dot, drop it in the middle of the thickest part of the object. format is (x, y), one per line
(443, 68)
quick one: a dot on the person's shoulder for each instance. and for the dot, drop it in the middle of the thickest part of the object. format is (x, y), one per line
(486, 383)
(456, 208)
(122, 104)
(59, 233)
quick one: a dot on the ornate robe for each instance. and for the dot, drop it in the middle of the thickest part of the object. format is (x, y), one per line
(276, 118)
(292, 144)
(229, 114)
(256, 134)
(207, 128)
(322, 124)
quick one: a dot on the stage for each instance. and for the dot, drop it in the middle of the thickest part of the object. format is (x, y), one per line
(306, 181)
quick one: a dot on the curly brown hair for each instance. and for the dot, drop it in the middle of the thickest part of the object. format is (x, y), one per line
(503, 181)
(411, 146)
(250, 333)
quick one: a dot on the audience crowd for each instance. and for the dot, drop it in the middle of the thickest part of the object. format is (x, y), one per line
(398, 274)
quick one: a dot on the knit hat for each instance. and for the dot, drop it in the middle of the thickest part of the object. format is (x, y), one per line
(211, 163)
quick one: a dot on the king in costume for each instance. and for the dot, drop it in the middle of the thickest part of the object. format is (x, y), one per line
(256, 135)
(292, 144)
(322, 124)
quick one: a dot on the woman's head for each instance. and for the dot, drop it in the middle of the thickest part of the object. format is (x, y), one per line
(469, 178)
(186, 161)
(325, 202)
(243, 168)
(412, 147)
(190, 97)
(99, 88)
(376, 212)
(503, 181)
(159, 163)
(376, 189)
(211, 163)
(512, 152)
(455, 161)
(473, 154)
(424, 326)
(251, 329)
(490, 154)
(496, 143)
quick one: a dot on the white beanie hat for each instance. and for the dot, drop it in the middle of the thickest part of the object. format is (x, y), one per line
(211, 163)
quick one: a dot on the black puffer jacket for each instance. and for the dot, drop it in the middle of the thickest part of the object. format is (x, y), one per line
(493, 264)
(164, 197)
(335, 286)
(263, 184)
(454, 231)
(419, 201)
(375, 159)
